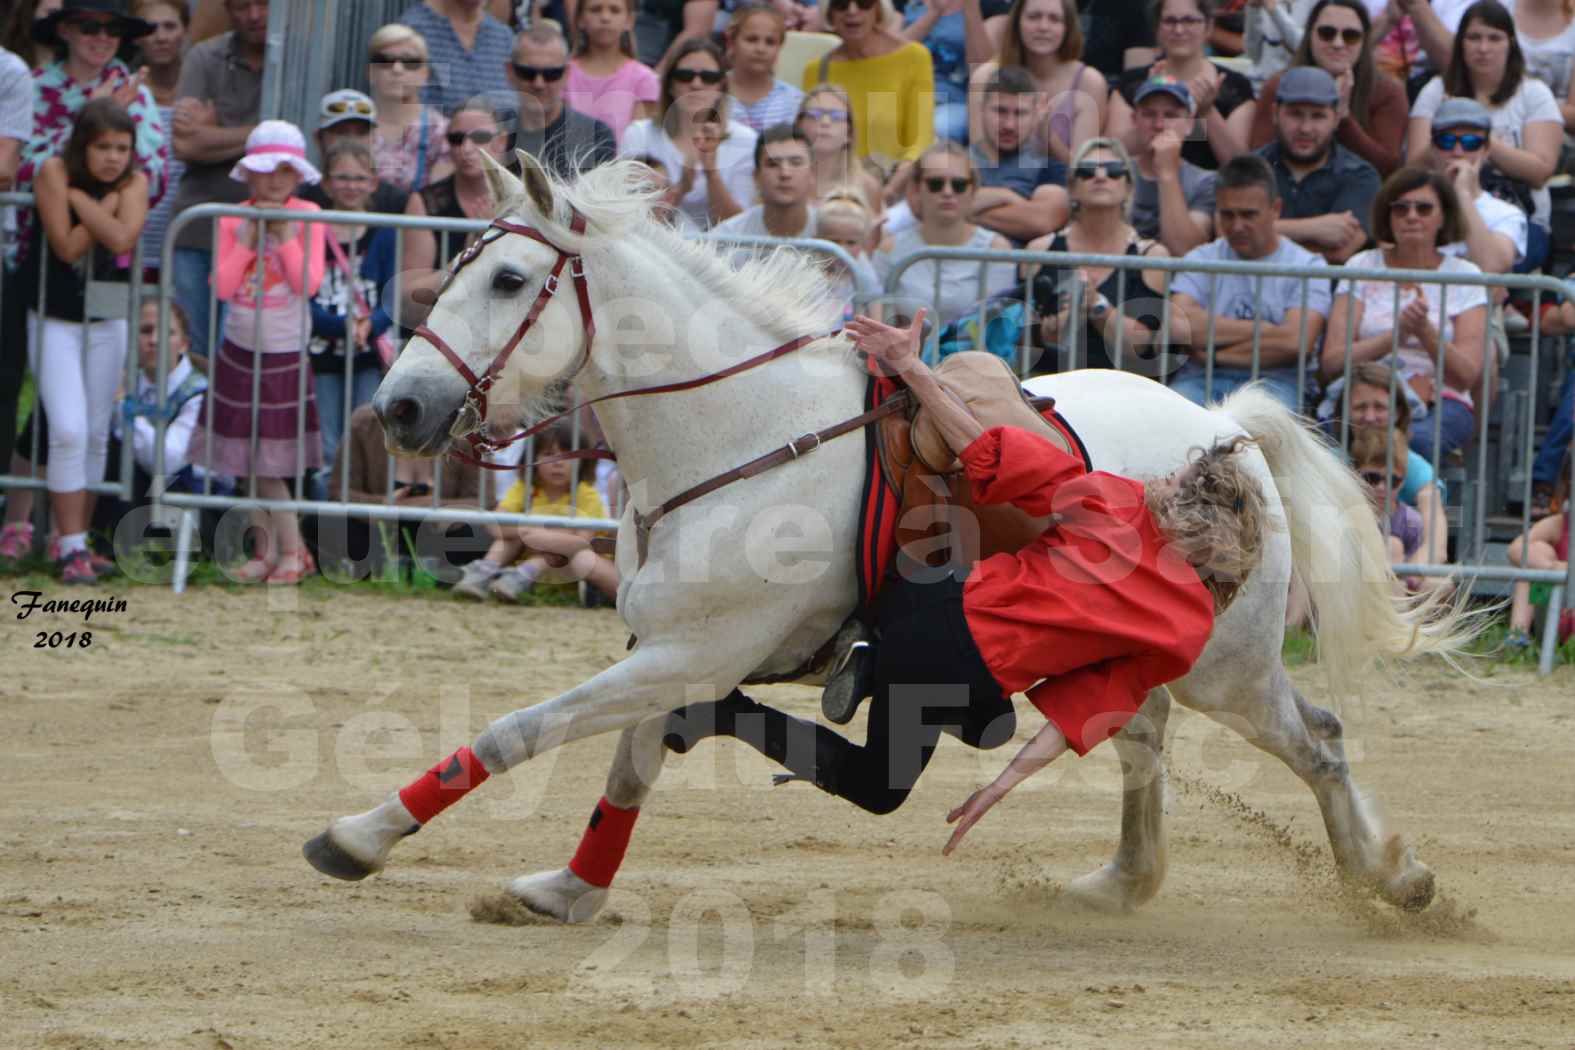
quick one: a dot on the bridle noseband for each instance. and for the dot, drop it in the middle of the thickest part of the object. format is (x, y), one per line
(474, 410)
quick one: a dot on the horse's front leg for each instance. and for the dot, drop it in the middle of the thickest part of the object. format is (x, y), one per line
(651, 681)
(577, 893)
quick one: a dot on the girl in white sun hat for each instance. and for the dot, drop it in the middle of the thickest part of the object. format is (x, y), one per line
(267, 272)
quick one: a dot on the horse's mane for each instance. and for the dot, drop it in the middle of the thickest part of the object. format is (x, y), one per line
(783, 291)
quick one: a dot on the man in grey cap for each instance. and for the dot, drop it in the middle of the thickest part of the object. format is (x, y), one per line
(1173, 200)
(1327, 191)
(1495, 229)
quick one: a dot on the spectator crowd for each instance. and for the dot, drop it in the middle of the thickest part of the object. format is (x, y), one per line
(1384, 134)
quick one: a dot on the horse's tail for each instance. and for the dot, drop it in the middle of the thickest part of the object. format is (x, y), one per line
(1339, 556)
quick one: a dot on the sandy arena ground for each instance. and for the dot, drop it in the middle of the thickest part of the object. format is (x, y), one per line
(160, 783)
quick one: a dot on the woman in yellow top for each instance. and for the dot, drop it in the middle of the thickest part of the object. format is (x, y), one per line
(890, 80)
(518, 555)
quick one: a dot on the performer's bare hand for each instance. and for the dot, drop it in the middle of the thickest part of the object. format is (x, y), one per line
(967, 815)
(896, 348)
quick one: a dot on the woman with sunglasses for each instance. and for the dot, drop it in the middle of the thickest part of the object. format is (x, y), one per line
(709, 158)
(826, 119)
(1222, 98)
(1417, 212)
(1113, 305)
(890, 81)
(1044, 37)
(1486, 64)
(90, 32)
(410, 138)
(1374, 109)
(946, 180)
(473, 130)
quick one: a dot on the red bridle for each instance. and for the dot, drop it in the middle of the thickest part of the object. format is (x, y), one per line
(474, 410)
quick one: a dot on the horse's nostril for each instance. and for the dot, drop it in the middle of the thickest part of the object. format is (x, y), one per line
(404, 411)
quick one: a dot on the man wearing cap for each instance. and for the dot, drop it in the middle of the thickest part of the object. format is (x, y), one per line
(1326, 191)
(1173, 200)
(350, 116)
(562, 138)
(217, 104)
(1495, 229)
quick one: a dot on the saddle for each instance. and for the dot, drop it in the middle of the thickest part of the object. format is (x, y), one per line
(937, 520)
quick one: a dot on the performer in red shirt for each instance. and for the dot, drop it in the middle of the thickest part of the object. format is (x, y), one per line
(1105, 605)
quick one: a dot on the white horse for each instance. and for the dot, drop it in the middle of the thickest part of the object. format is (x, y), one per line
(754, 578)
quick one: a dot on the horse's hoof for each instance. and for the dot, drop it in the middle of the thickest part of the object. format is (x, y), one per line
(1413, 889)
(330, 858)
(1104, 891)
(560, 895)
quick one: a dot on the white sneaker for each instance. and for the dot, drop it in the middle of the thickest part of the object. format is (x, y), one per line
(510, 584)
(473, 584)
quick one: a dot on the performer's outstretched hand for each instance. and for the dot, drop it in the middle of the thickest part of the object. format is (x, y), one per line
(896, 348)
(967, 815)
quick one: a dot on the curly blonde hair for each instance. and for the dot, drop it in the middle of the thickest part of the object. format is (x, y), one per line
(1215, 521)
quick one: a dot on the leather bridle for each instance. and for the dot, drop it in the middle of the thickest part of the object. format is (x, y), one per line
(474, 410)
(473, 413)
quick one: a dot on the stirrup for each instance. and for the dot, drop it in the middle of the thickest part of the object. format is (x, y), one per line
(853, 679)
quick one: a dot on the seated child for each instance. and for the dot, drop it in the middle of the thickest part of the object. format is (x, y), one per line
(1545, 546)
(1403, 524)
(184, 387)
(844, 220)
(519, 556)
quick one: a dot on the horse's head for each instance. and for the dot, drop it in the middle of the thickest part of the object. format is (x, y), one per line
(508, 329)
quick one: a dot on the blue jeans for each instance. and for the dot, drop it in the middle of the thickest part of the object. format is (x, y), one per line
(951, 122)
(331, 402)
(1561, 428)
(1458, 428)
(1189, 383)
(193, 268)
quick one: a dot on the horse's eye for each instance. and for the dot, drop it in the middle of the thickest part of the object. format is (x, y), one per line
(508, 281)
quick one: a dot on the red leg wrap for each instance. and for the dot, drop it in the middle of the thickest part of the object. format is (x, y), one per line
(603, 844)
(443, 785)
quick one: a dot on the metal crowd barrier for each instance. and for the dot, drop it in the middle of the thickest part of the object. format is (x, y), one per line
(106, 301)
(1484, 396)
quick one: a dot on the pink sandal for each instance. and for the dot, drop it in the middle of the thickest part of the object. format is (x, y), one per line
(254, 571)
(293, 568)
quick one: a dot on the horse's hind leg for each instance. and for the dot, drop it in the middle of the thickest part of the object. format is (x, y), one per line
(1137, 871)
(1308, 739)
(567, 895)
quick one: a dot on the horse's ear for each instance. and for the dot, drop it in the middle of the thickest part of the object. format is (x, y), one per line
(500, 181)
(536, 182)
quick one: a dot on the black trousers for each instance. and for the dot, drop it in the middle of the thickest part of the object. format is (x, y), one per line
(930, 679)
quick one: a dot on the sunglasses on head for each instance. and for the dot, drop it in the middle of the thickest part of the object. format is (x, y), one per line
(705, 76)
(402, 61)
(836, 116)
(99, 27)
(479, 137)
(936, 183)
(1113, 169)
(1422, 208)
(1378, 477)
(843, 5)
(1327, 34)
(340, 107)
(551, 74)
(1448, 140)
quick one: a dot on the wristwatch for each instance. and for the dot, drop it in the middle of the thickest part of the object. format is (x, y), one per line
(1100, 308)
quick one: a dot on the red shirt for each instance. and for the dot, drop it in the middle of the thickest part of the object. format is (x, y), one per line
(1095, 610)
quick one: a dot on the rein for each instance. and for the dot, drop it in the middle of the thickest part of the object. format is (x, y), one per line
(473, 412)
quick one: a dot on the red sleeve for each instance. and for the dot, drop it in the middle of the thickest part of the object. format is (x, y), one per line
(234, 260)
(1093, 703)
(1009, 465)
